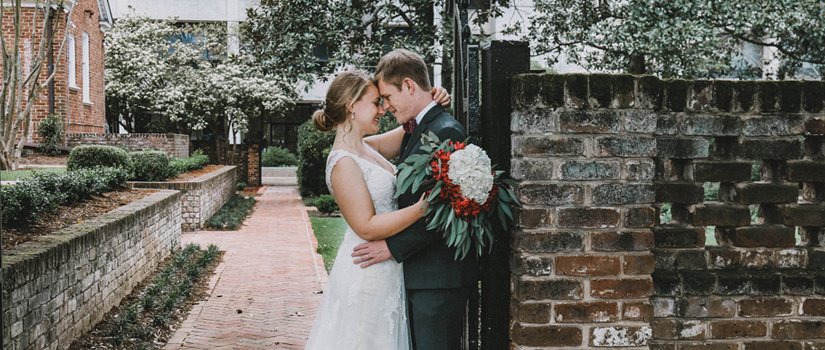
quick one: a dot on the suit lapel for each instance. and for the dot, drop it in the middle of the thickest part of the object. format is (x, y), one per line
(415, 137)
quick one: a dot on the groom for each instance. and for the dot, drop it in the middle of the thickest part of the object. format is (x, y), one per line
(437, 285)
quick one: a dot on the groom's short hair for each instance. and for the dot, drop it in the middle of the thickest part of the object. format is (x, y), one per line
(399, 64)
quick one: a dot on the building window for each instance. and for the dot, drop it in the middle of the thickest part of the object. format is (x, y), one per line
(72, 64)
(86, 97)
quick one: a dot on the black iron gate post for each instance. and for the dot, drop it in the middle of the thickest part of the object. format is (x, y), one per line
(501, 60)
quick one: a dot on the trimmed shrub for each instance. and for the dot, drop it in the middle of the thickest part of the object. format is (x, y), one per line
(150, 165)
(232, 214)
(24, 201)
(196, 161)
(278, 157)
(313, 148)
(92, 156)
(51, 130)
(326, 204)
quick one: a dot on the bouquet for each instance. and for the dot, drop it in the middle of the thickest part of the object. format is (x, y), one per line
(463, 192)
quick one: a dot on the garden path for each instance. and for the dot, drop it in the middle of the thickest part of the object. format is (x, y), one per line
(264, 294)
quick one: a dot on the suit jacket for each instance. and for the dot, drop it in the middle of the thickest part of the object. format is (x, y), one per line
(428, 262)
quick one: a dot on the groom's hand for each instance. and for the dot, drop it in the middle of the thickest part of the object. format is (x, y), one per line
(371, 253)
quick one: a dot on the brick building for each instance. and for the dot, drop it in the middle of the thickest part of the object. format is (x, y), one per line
(78, 83)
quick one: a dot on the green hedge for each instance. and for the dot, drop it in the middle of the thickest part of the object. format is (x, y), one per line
(326, 204)
(278, 157)
(150, 165)
(24, 201)
(92, 156)
(313, 148)
(51, 130)
(196, 161)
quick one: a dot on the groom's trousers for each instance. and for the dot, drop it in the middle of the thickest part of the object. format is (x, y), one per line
(437, 317)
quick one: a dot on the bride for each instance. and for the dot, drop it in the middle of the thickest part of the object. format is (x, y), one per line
(363, 308)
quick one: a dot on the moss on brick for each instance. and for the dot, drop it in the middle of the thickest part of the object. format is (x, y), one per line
(791, 100)
(676, 94)
(650, 91)
(814, 92)
(525, 90)
(552, 90)
(768, 95)
(723, 95)
(745, 91)
(576, 85)
(623, 89)
(701, 95)
(601, 89)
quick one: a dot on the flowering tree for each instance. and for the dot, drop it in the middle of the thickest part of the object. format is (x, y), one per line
(21, 88)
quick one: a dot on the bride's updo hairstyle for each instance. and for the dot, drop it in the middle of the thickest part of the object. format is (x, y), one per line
(347, 86)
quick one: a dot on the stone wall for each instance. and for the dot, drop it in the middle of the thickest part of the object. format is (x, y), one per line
(202, 197)
(59, 286)
(174, 145)
(599, 156)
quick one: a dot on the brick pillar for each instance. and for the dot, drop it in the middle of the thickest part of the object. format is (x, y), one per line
(583, 152)
(253, 172)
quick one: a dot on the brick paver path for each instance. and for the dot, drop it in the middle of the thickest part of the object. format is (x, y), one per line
(265, 293)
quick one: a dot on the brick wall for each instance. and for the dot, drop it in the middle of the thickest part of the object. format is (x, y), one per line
(174, 145)
(598, 156)
(59, 286)
(202, 197)
(78, 116)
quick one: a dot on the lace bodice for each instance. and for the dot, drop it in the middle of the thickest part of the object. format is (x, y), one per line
(380, 182)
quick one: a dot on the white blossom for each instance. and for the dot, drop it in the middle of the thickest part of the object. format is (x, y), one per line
(470, 169)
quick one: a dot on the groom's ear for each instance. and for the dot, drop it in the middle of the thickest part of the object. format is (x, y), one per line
(410, 85)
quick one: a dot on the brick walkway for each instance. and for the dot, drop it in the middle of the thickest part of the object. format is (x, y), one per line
(264, 294)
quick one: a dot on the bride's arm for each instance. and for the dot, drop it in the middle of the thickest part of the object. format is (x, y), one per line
(388, 143)
(353, 197)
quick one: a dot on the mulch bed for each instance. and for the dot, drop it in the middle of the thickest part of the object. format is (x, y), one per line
(196, 173)
(35, 158)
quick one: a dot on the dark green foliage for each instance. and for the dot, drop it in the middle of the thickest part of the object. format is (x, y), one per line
(240, 186)
(51, 130)
(326, 204)
(278, 157)
(150, 165)
(24, 201)
(195, 161)
(313, 148)
(232, 214)
(91, 156)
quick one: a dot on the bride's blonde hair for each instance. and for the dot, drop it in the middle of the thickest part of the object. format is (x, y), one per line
(347, 86)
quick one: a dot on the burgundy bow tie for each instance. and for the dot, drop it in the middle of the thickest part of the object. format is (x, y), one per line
(409, 126)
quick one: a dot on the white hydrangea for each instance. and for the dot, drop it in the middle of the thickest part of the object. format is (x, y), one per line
(470, 169)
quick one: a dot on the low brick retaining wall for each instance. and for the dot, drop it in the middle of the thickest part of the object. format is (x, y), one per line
(202, 197)
(174, 145)
(59, 286)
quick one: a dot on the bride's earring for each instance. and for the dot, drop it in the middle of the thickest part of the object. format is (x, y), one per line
(352, 116)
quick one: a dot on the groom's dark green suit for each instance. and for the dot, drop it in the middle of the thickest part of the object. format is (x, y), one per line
(437, 285)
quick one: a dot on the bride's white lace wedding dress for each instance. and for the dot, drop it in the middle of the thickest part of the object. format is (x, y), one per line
(363, 308)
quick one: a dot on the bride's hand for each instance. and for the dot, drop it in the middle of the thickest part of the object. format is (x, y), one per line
(423, 204)
(441, 96)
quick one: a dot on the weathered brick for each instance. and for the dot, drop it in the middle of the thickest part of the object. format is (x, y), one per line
(798, 329)
(765, 307)
(640, 311)
(639, 121)
(709, 346)
(549, 242)
(757, 258)
(813, 307)
(578, 265)
(663, 307)
(758, 193)
(710, 125)
(737, 329)
(665, 260)
(590, 121)
(640, 217)
(807, 171)
(548, 289)
(768, 149)
(533, 121)
(682, 148)
(768, 96)
(623, 194)
(723, 95)
(814, 95)
(535, 217)
(814, 345)
(530, 264)
(601, 90)
(791, 99)
(621, 241)
(773, 236)
(621, 288)
(531, 169)
(679, 237)
(719, 215)
(797, 285)
(692, 260)
(667, 124)
(676, 92)
(698, 283)
(678, 329)
(650, 92)
(624, 86)
(640, 146)
(815, 126)
(675, 192)
(588, 217)
(666, 284)
(716, 171)
(620, 336)
(781, 125)
(765, 284)
(529, 145)
(723, 258)
(531, 312)
(639, 170)
(700, 97)
(580, 170)
(706, 308)
(654, 345)
(550, 194)
(772, 345)
(545, 335)
(791, 258)
(732, 284)
(545, 90)
(590, 312)
(576, 86)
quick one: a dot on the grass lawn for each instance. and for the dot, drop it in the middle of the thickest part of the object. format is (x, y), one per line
(26, 173)
(330, 233)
